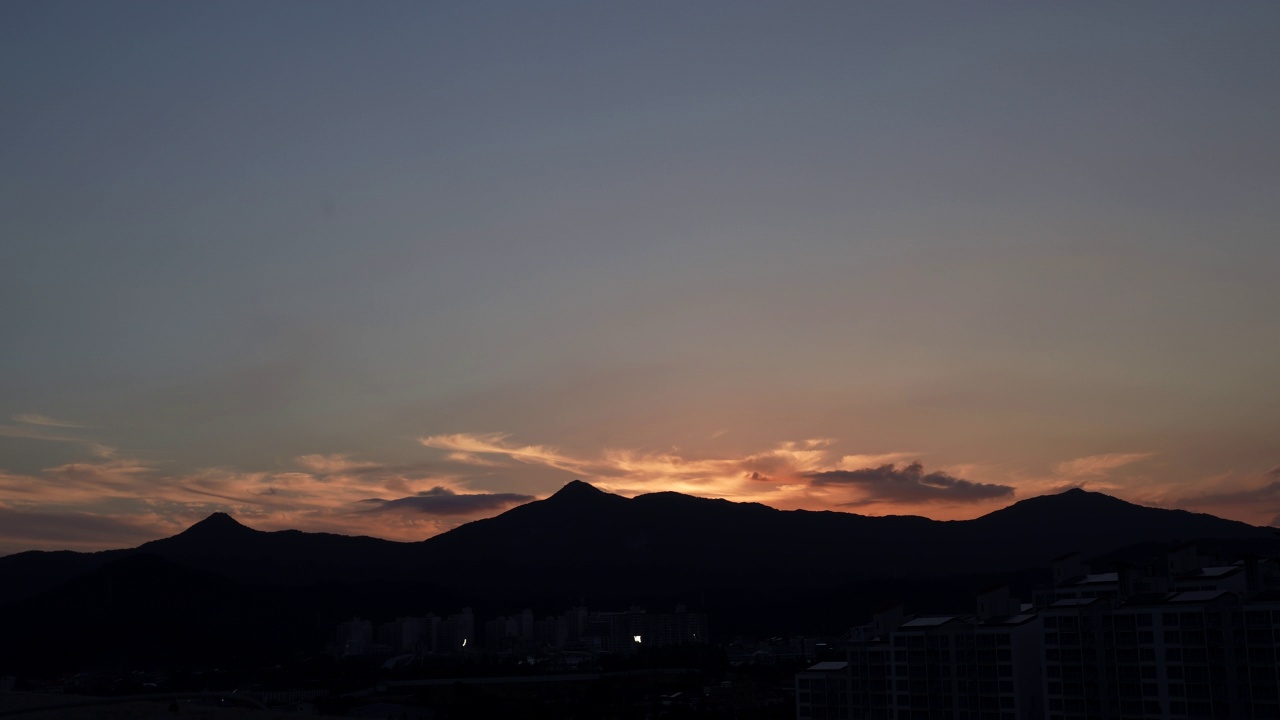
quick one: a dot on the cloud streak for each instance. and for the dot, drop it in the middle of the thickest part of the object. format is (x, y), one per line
(805, 473)
(43, 421)
(36, 433)
(41, 427)
(465, 444)
(1096, 466)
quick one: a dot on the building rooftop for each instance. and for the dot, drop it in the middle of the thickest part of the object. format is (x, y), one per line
(1151, 598)
(1217, 572)
(1018, 619)
(1097, 579)
(929, 621)
(1008, 620)
(1197, 596)
(1074, 602)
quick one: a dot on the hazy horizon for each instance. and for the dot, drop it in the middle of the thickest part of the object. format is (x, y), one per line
(242, 521)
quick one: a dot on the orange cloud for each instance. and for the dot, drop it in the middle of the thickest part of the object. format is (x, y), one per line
(788, 475)
(326, 493)
(860, 462)
(341, 493)
(331, 463)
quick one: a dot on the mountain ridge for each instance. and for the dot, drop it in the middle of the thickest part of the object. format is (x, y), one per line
(581, 532)
(751, 566)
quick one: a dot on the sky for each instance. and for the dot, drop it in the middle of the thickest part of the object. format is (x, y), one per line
(385, 268)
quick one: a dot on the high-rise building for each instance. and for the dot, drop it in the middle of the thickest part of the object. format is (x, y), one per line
(1170, 638)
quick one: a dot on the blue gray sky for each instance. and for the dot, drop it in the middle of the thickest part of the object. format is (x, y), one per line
(383, 268)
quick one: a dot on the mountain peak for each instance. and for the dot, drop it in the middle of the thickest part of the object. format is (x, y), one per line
(1076, 497)
(218, 523)
(575, 489)
(217, 530)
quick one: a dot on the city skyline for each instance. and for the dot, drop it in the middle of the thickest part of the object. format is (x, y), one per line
(387, 270)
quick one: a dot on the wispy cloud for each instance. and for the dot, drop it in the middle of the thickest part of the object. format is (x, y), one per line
(496, 444)
(327, 493)
(328, 464)
(858, 462)
(802, 473)
(633, 471)
(1253, 497)
(467, 458)
(1118, 473)
(37, 433)
(44, 421)
(41, 427)
(1096, 466)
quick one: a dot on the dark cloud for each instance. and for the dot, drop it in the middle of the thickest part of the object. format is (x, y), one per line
(29, 529)
(911, 484)
(443, 501)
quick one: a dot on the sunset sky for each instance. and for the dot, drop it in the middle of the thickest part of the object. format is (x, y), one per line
(384, 268)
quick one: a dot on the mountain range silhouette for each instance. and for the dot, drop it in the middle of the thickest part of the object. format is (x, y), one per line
(743, 563)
